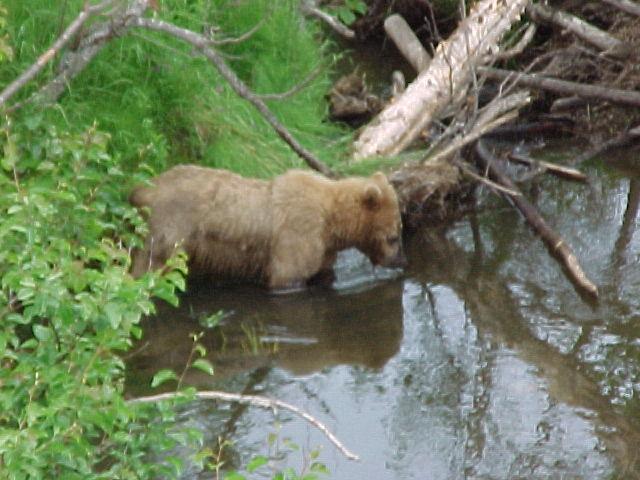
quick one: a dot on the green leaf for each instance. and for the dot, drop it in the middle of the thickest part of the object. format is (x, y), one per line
(319, 468)
(256, 462)
(204, 365)
(234, 476)
(163, 376)
(346, 16)
(42, 333)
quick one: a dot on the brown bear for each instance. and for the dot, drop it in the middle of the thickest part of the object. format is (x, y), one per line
(281, 233)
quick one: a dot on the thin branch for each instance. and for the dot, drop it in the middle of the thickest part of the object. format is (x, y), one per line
(625, 5)
(622, 140)
(563, 87)
(583, 30)
(519, 47)
(242, 38)
(309, 7)
(30, 73)
(558, 170)
(486, 181)
(293, 90)
(257, 401)
(202, 44)
(498, 112)
(90, 45)
(556, 244)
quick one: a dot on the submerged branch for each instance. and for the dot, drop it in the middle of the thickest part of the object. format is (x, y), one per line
(556, 244)
(257, 401)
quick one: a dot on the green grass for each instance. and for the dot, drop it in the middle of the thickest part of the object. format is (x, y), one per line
(164, 105)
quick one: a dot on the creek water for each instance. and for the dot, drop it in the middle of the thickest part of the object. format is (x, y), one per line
(479, 361)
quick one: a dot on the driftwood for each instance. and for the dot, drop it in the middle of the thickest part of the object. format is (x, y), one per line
(553, 168)
(556, 244)
(444, 82)
(563, 87)
(407, 43)
(602, 40)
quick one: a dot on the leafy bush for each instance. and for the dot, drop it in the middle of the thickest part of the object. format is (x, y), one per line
(68, 306)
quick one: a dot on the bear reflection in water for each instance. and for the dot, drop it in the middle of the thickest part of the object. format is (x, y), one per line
(301, 333)
(283, 233)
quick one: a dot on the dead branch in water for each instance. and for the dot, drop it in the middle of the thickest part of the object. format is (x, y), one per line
(558, 170)
(556, 244)
(256, 401)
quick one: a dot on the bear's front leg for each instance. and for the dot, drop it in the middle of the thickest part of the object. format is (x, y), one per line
(293, 263)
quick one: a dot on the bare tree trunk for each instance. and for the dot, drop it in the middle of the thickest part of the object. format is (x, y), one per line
(446, 78)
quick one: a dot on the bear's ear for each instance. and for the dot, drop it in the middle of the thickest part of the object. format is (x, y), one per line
(372, 197)
(379, 178)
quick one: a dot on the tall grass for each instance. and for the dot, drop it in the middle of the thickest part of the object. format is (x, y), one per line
(163, 104)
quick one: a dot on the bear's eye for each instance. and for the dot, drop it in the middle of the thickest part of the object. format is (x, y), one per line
(393, 239)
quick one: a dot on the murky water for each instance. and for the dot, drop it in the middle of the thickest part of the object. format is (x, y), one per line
(480, 361)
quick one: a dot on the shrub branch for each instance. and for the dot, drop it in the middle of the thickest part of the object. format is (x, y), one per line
(256, 401)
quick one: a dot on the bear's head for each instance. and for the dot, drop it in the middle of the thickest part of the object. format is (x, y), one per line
(382, 236)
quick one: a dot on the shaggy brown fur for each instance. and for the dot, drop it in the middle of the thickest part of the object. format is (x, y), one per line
(280, 233)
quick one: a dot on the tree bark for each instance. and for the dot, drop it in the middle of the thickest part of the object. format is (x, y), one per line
(446, 78)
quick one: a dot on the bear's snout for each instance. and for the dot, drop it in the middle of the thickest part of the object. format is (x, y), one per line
(399, 260)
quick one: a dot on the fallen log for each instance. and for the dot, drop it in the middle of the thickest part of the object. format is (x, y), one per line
(555, 243)
(563, 87)
(443, 83)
